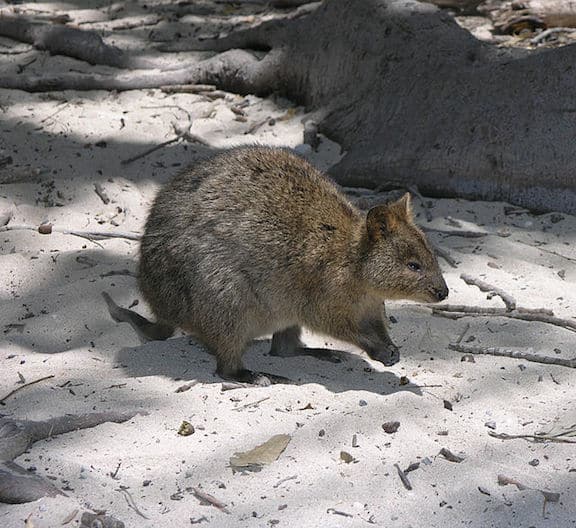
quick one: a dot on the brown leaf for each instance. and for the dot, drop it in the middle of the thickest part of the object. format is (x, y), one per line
(261, 455)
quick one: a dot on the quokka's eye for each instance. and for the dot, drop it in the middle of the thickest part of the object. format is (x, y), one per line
(414, 266)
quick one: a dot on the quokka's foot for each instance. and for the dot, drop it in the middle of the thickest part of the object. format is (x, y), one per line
(257, 379)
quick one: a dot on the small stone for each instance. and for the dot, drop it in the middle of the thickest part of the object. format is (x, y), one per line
(555, 218)
(393, 319)
(442, 433)
(522, 367)
(561, 273)
(447, 405)
(534, 462)
(491, 424)
(186, 429)
(362, 403)
(321, 433)
(390, 427)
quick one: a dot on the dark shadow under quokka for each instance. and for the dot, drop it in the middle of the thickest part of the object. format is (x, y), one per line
(256, 241)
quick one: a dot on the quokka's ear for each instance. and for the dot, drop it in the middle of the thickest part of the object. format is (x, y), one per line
(381, 221)
(403, 207)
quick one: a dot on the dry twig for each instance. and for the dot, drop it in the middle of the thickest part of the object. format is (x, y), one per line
(11, 393)
(509, 301)
(90, 235)
(515, 354)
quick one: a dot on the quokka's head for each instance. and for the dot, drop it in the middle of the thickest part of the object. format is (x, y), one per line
(399, 262)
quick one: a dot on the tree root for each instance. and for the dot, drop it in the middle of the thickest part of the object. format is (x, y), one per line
(18, 485)
(235, 70)
(63, 40)
(511, 353)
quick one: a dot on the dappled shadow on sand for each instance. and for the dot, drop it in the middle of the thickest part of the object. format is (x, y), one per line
(184, 358)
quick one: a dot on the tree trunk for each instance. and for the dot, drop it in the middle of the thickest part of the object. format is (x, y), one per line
(412, 97)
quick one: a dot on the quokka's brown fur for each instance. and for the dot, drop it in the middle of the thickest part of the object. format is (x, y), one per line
(256, 241)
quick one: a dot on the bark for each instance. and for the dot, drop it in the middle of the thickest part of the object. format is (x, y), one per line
(507, 17)
(18, 485)
(414, 99)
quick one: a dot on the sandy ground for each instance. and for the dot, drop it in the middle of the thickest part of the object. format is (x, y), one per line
(55, 322)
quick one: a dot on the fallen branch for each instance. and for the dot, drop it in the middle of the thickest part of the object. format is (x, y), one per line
(535, 437)
(543, 35)
(182, 132)
(16, 437)
(509, 301)
(548, 495)
(130, 501)
(47, 229)
(511, 353)
(540, 315)
(188, 88)
(11, 393)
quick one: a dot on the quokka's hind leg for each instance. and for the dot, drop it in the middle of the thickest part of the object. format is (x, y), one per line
(146, 330)
(229, 366)
(287, 343)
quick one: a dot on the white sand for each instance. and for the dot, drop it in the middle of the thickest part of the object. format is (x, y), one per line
(58, 278)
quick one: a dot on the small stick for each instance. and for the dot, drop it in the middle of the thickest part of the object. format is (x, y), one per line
(113, 475)
(517, 314)
(464, 332)
(233, 385)
(403, 477)
(181, 133)
(537, 437)
(101, 193)
(452, 232)
(130, 502)
(11, 393)
(90, 235)
(509, 301)
(489, 310)
(338, 512)
(281, 481)
(257, 125)
(188, 88)
(207, 498)
(515, 354)
(545, 34)
(251, 404)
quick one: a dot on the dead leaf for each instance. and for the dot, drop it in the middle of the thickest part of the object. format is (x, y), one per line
(261, 455)
(347, 457)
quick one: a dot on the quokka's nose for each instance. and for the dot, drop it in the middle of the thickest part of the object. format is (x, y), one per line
(441, 293)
